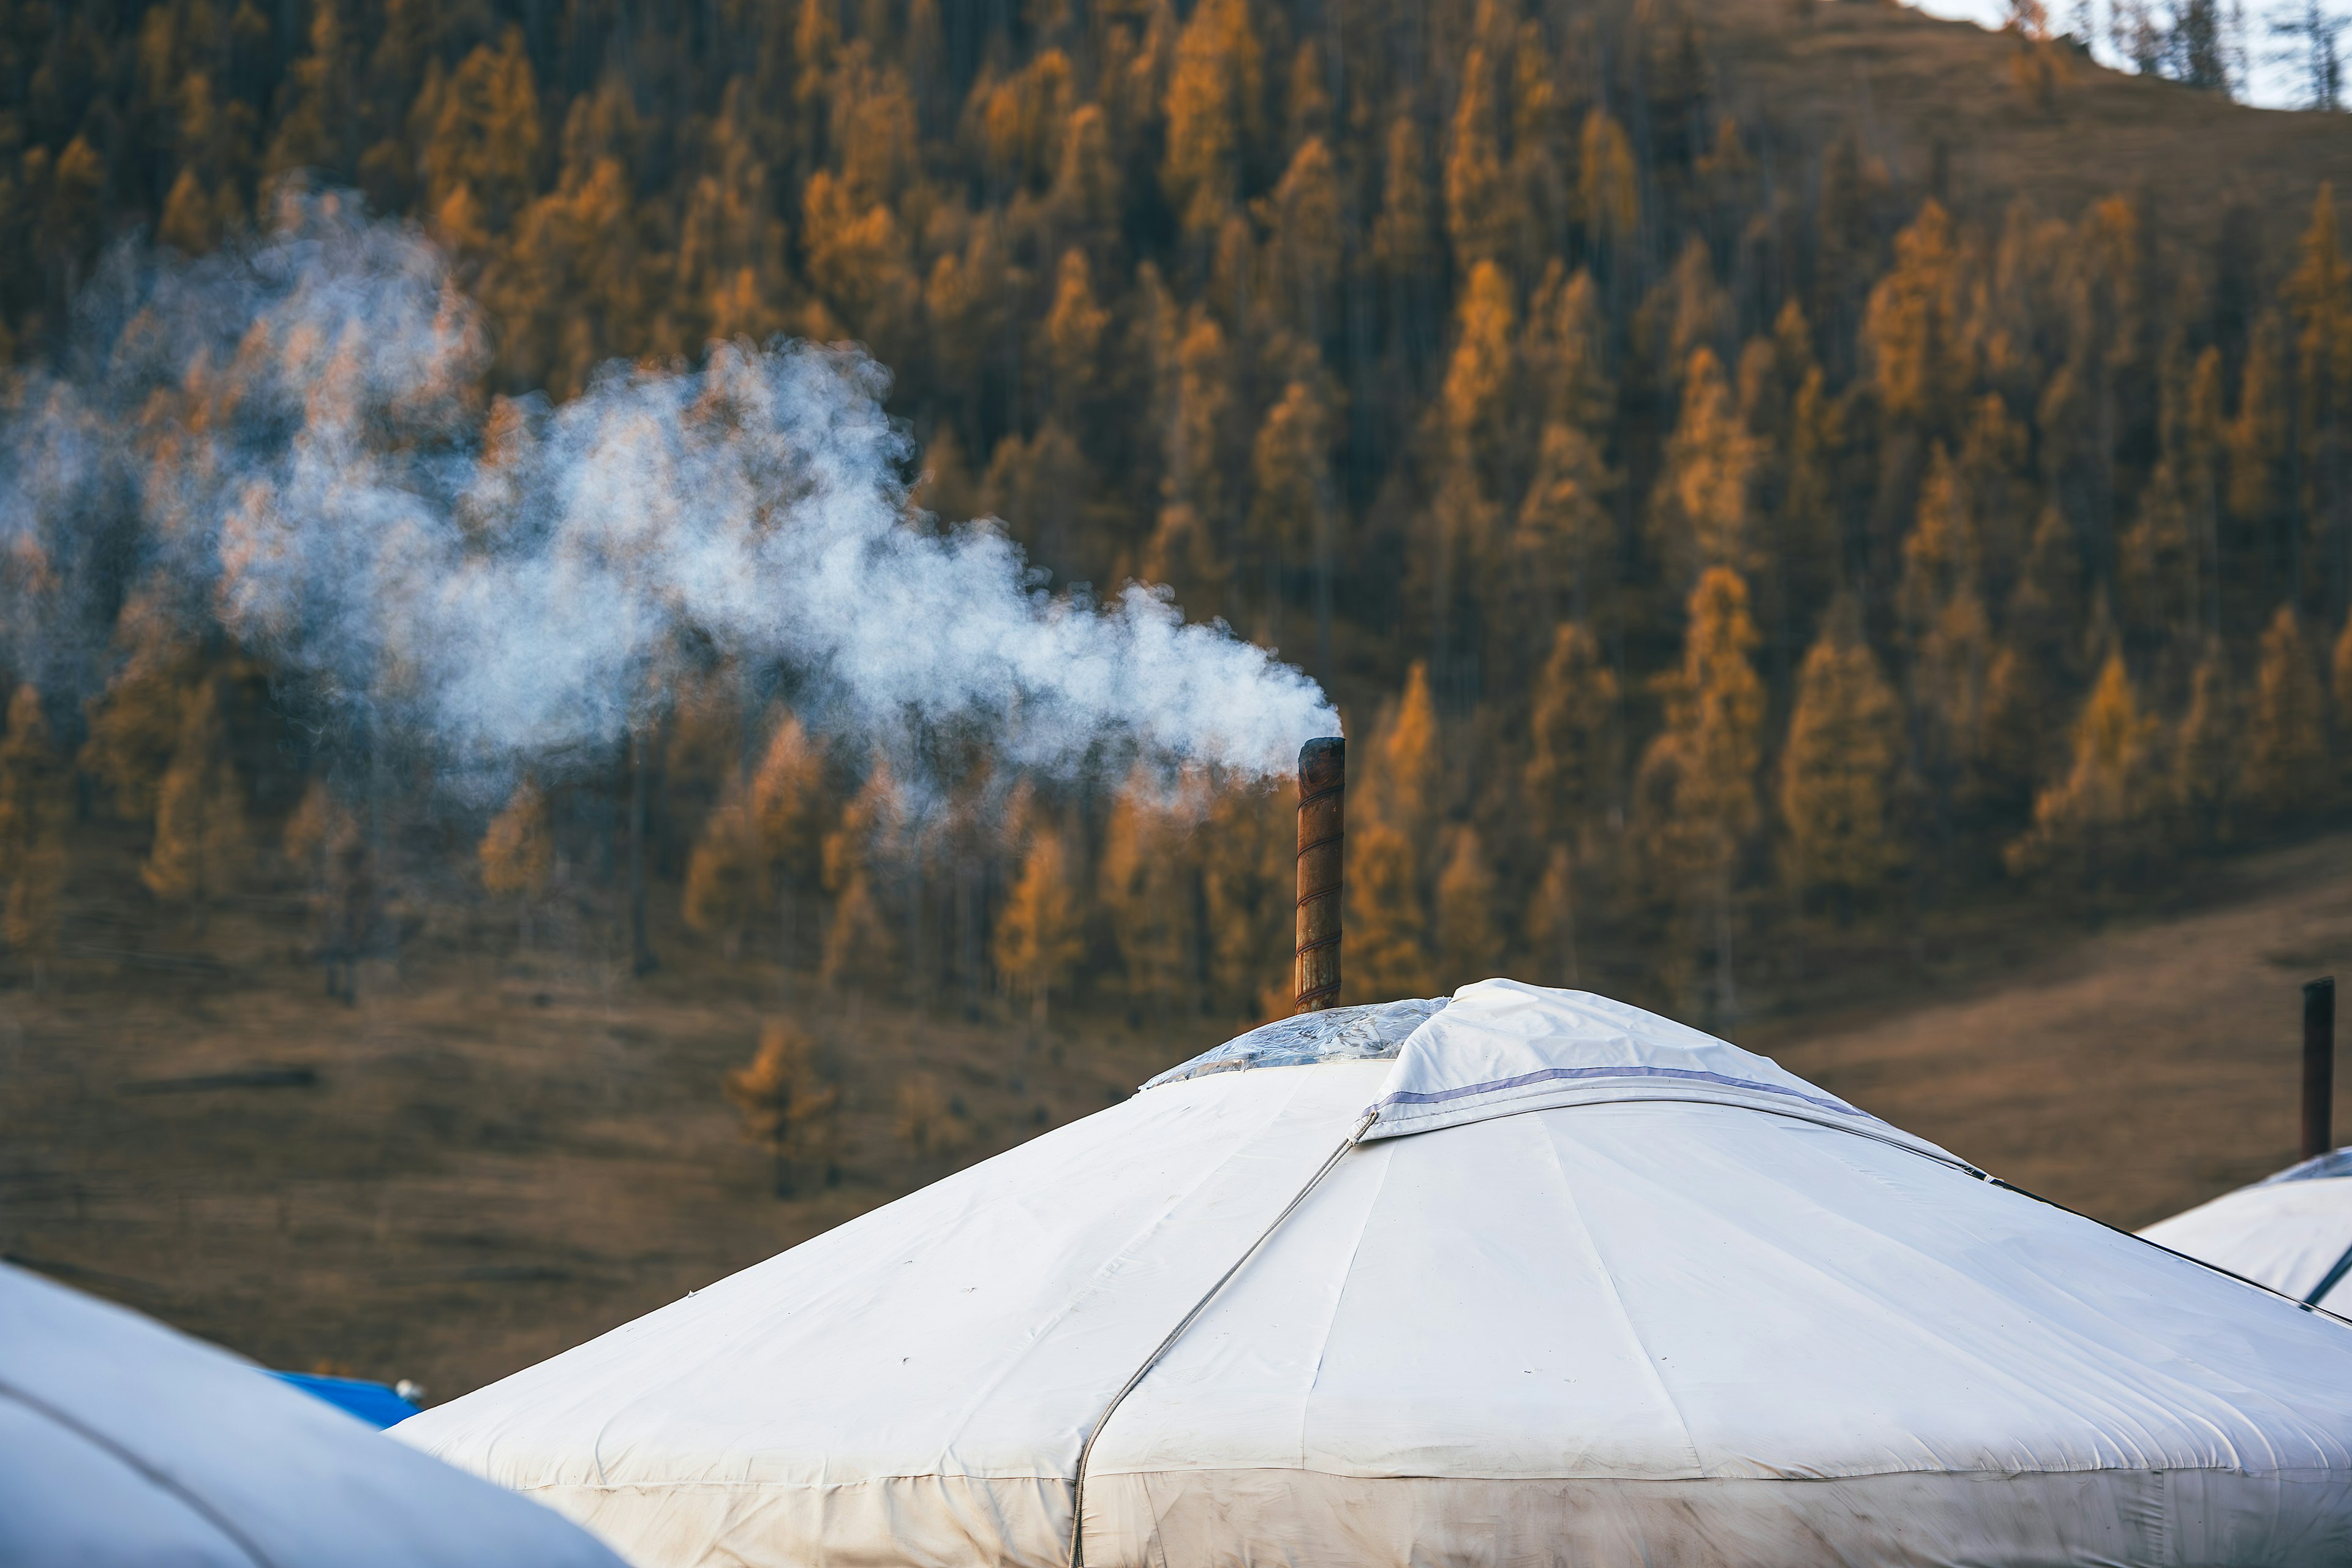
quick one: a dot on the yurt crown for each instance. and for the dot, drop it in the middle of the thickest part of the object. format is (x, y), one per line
(1322, 835)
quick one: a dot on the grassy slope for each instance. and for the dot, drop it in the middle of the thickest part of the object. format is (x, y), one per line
(505, 1154)
(1909, 81)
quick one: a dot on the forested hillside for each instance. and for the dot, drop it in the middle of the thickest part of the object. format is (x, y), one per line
(1716, 522)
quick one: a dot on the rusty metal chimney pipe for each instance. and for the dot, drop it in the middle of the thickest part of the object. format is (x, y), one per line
(1322, 837)
(2318, 1067)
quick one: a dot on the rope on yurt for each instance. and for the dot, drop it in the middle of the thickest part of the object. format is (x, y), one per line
(1078, 1482)
(2309, 1305)
(2334, 1277)
(156, 1476)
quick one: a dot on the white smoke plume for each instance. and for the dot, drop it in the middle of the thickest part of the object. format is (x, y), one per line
(289, 438)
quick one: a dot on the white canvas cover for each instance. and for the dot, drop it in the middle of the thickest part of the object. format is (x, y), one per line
(2292, 1232)
(1568, 1284)
(126, 1445)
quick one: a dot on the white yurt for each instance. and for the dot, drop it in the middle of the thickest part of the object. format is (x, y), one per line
(124, 1444)
(2292, 1232)
(1530, 1277)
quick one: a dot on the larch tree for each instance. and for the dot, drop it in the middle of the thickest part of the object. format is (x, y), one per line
(1702, 512)
(1607, 181)
(1942, 607)
(787, 806)
(1387, 952)
(1697, 806)
(1410, 769)
(1480, 216)
(1570, 783)
(1074, 332)
(1392, 834)
(36, 803)
(2205, 751)
(2258, 435)
(2284, 770)
(1145, 899)
(1404, 240)
(1564, 534)
(1469, 938)
(1839, 768)
(788, 1102)
(1307, 249)
(1913, 326)
(517, 852)
(481, 141)
(726, 874)
(2101, 824)
(1249, 885)
(1215, 95)
(2320, 295)
(200, 845)
(1039, 935)
(1551, 922)
(859, 946)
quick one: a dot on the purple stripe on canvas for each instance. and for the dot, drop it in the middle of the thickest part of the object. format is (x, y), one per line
(1439, 1096)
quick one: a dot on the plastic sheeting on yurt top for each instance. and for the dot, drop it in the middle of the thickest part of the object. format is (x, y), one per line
(124, 1444)
(2290, 1231)
(1539, 1277)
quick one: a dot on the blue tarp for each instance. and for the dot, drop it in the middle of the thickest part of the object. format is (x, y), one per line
(374, 1403)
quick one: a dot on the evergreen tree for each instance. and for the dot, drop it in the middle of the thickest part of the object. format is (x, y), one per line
(1944, 622)
(787, 808)
(2285, 768)
(1702, 512)
(1574, 750)
(789, 1105)
(1609, 190)
(1551, 922)
(2100, 824)
(1469, 942)
(1039, 939)
(517, 852)
(1838, 768)
(1144, 897)
(1697, 793)
(2319, 293)
(2205, 751)
(34, 806)
(1387, 929)
(1214, 109)
(859, 948)
(200, 834)
(1249, 884)
(726, 876)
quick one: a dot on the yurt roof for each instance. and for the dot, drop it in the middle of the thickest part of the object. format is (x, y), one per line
(124, 1444)
(2290, 1231)
(1526, 1276)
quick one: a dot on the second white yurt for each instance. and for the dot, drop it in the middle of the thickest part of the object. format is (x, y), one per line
(124, 1444)
(2292, 1232)
(1530, 1277)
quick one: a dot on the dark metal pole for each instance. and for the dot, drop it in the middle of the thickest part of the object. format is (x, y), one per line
(1322, 837)
(2318, 1067)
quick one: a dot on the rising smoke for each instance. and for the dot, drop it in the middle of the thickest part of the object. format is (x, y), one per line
(288, 440)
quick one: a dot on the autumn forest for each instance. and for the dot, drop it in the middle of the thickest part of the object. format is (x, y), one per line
(1712, 534)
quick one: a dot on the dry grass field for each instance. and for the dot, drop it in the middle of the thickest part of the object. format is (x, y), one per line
(498, 1153)
(1915, 88)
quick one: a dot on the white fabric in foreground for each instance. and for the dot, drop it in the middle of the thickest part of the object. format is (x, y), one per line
(2284, 1235)
(1680, 1327)
(126, 1445)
